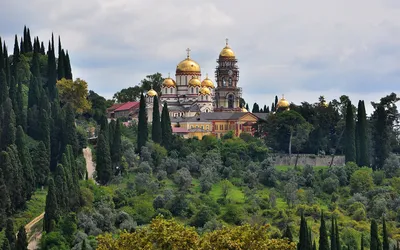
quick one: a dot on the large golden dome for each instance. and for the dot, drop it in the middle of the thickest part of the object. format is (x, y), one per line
(188, 65)
(207, 83)
(204, 91)
(194, 82)
(227, 51)
(151, 92)
(283, 103)
(169, 83)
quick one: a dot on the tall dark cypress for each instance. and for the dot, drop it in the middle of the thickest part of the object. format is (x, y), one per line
(26, 161)
(143, 133)
(380, 138)
(55, 134)
(288, 233)
(276, 101)
(69, 130)
(16, 58)
(323, 235)
(265, 108)
(303, 236)
(385, 243)
(42, 49)
(67, 67)
(273, 109)
(12, 93)
(18, 192)
(333, 235)
(20, 111)
(362, 154)
(22, 48)
(2, 62)
(29, 47)
(5, 202)
(34, 92)
(338, 246)
(7, 68)
(51, 210)
(247, 106)
(41, 163)
(44, 128)
(362, 242)
(3, 86)
(156, 123)
(10, 233)
(375, 243)
(116, 144)
(61, 67)
(61, 188)
(22, 241)
(103, 160)
(35, 68)
(166, 129)
(8, 130)
(350, 147)
(51, 73)
(6, 245)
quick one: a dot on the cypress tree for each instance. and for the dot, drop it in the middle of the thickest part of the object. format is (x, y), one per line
(69, 130)
(7, 66)
(22, 49)
(35, 68)
(12, 93)
(8, 175)
(42, 49)
(323, 235)
(333, 235)
(61, 67)
(350, 148)
(273, 108)
(51, 210)
(20, 113)
(16, 58)
(338, 246)
(8, 124)
(10, 234)
(381, 138)
(374, 241)
(166, 129)
(385, 243)
(44, 129)
(314, 246)
(116, 145)
(276, 101)
(265, 108)
(55, 134)
(26, 162)
(18, 193)
(6, 245)
(2, 66)
(36, 45)
(51, 73)
(61, 189)
(110, 136)
(362, 156)
(67, 67)
(3, 86)
(362, 242)
(5, 203)
(103, 160)
(142, 136)
(29, 47)
(156, 124)
(303, 236)
(34, 92)
(287, 234)
(41, 164)
(247, 106)
(22, 241)
(256, 108)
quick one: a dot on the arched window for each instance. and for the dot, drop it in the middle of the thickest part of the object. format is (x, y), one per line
(230, 81)
(223, 82)
(192, 90)
(231, 100)
(171, 90)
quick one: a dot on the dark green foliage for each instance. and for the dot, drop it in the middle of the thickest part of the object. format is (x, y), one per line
(69, 136)
(8, 125)
(55, 134)
(8, 173)
(287, 234)
(41, 164)
(34, 92)
(362, 242)
(7, 66)
(338, 246)
(35, 68)
(17, 192)
(304, 237)
(333, 235)
(67, 67)
(61, 62)
(166, 129)
(26, 162)
(19, 110)
(363, 152)
(323, 235)
(276, 101)
(13, 93)
(42, 49)
(61, 188)
(44, 128)
(10, 234)
(247, 106)
(256, 108)
(51, 211)
(350, 146)
(22, 241)
(380, 138)
(6, 245)
(385, 243)
(116, 149)
(5, 203)
(3, 86)
(375, 243)
(142, 136)
(51, 73)
(103, 160)
(156, 124)
(314, 246)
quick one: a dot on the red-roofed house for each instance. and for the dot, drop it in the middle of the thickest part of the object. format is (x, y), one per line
(180, 131)
(110, 110)
(127, 110)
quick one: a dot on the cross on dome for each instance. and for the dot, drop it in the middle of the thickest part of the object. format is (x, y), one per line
(226, 41)
(188, 52)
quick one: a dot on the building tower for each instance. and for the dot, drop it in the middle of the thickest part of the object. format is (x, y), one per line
(227, 92)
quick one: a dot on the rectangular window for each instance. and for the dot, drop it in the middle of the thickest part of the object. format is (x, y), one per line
(207, 127)
(221, 127)
(192, 126)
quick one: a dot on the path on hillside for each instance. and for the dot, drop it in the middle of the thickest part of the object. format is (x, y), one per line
(35, 237)
(87, 153)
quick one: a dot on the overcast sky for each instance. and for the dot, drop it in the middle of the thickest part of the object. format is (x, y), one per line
(302, 49)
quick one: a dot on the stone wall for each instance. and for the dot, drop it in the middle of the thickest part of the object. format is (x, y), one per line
(307, 159)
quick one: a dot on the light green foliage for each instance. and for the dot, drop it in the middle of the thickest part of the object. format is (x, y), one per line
(361, 180)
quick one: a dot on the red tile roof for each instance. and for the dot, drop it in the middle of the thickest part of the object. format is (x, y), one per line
(127, 106)
(115, 106)
(179, 130)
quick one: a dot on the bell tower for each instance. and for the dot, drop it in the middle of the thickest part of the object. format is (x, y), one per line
(227, 92)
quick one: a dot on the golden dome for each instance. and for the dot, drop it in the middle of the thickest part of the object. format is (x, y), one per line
(194, 82)
(207, 83)
(169, 83)
(283, 103)
(204, 91)
(227, 51)
(151, 92)
(244, 110)
(325, 104)
(188, 65)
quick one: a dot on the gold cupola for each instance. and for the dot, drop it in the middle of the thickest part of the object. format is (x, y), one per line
(151, 92)
(227, 51)
(194, 82)
(207, 83)
(204, 91)
(169, 82)
(188, 65)
(283, 103)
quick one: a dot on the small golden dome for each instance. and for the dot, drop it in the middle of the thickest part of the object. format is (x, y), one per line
(169, 83)
(194, 82)
(283, 103)
(204, 91)
(325, 104)
(151, 92)
(188, 65)
(207, 83)
(244, 110)
(227, 51)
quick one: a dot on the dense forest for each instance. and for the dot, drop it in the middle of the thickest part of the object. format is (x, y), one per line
(154, 190)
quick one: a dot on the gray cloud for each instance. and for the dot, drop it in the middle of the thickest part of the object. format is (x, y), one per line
(301, 48)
